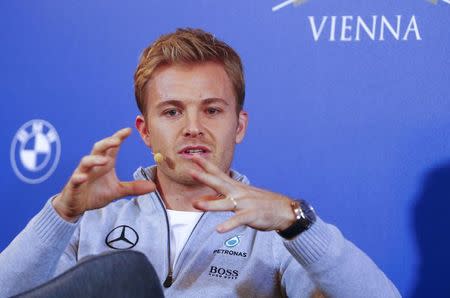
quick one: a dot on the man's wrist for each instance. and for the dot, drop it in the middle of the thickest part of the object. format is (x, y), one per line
(289, 216)
(61, 211)
(305, 217)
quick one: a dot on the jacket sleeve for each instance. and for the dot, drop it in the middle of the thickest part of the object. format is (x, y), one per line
(39, 252)
(335, 265)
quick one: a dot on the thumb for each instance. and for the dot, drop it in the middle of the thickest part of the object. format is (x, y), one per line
(136, 188)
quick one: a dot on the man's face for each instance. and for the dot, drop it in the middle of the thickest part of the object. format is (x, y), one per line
(191, 110)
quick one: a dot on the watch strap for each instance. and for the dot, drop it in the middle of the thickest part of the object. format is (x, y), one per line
(304, 218)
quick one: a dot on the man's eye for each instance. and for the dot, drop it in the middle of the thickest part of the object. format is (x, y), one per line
(171, 112)
(212, 111)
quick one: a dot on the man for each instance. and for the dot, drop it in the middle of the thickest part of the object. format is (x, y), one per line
(199, 223)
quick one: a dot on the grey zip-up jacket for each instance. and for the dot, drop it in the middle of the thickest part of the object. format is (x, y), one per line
(241, 263)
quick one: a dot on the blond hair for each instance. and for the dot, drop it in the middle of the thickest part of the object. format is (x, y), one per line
(188, 46)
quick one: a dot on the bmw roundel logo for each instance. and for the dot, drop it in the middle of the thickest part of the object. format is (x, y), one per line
(35, 151)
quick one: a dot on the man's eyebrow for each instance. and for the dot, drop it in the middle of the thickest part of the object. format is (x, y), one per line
(215, 100)
(170, 102)
(180, 103)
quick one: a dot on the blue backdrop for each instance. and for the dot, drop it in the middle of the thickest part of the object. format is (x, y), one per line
(349, 108)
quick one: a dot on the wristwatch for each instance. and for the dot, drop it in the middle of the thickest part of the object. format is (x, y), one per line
(305, 216)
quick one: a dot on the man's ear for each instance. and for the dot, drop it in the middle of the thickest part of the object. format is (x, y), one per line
(242, 126)
(142, 127)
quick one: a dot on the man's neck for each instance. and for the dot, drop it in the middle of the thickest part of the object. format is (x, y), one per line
(180, 197)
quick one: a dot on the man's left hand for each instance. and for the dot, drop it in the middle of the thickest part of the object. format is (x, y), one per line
(257, 208)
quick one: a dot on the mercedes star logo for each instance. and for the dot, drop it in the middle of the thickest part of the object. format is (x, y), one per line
(122, 237)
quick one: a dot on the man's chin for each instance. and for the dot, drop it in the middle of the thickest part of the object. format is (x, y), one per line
(181, 175)
(184, 179)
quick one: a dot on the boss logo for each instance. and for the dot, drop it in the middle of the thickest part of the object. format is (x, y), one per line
(223, 272)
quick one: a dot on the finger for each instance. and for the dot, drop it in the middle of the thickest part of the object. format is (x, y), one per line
(101, 146)
(113, 141)
(233, 222)
(136, 188)
(122, 135)
(78, 179)
(210, 203)
(205, 198)
(209, 167)
(112, 152)
(91, 161)
(217, 183)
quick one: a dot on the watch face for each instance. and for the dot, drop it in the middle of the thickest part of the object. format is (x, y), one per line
(308, 210)
(306, 216)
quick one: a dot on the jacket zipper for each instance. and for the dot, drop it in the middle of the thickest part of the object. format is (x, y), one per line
(169, 279)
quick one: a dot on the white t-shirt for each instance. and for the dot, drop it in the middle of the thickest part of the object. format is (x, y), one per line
(181, 225)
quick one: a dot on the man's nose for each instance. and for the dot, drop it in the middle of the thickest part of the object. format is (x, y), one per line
(193, 127)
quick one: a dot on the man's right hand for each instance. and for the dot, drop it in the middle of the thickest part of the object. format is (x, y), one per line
(94, 183)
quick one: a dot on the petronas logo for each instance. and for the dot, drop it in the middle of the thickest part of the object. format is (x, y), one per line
(233, 241)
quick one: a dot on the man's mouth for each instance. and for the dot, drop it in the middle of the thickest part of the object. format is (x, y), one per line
(190, 151)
